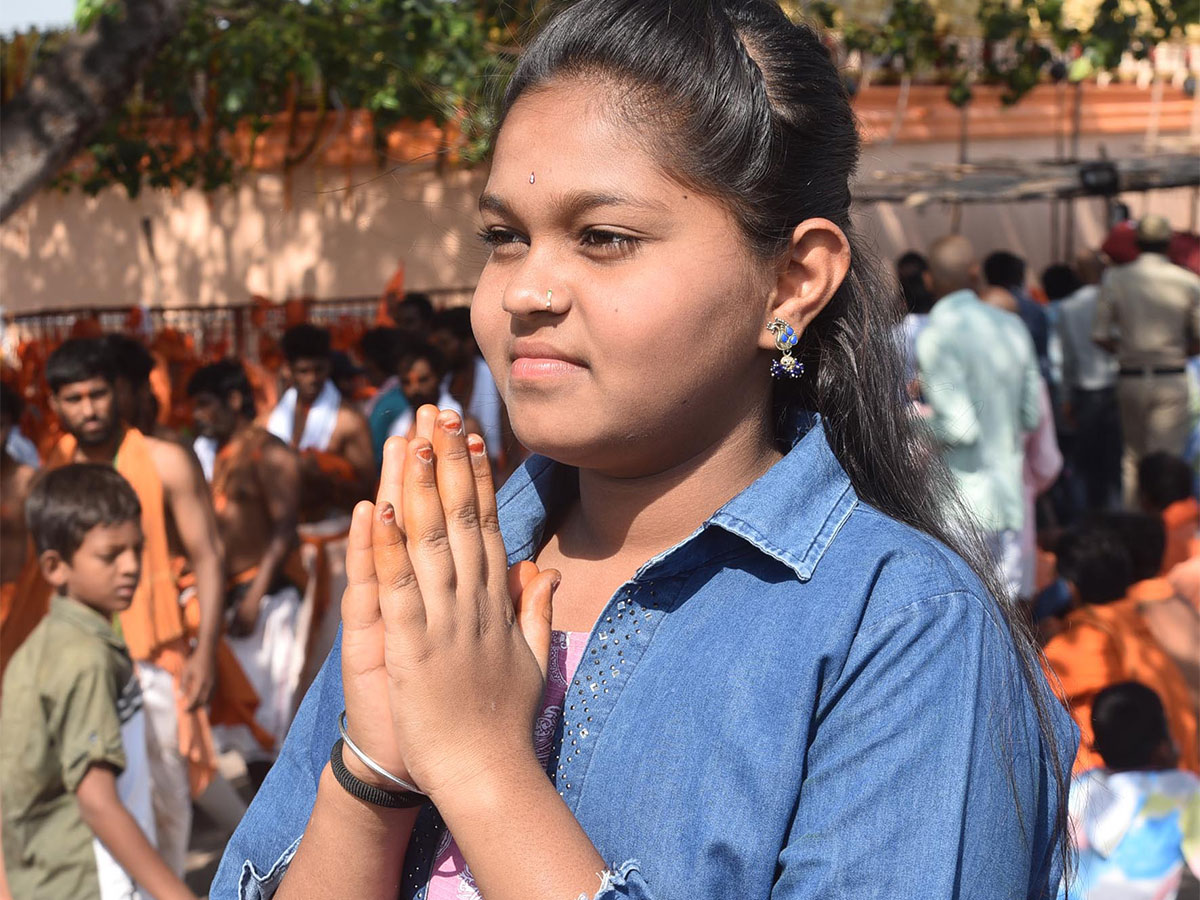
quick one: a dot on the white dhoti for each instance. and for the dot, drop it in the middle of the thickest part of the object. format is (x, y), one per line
(171, 790)
(134, 790)
(272, 657)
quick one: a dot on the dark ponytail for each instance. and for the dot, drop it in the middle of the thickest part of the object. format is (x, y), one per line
(750, 108)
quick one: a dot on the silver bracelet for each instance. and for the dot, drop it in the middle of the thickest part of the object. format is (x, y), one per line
(371, 764)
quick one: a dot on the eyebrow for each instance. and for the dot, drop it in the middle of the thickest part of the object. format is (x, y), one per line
(573, 204)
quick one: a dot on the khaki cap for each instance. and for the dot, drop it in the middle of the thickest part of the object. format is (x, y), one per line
(1153, 230)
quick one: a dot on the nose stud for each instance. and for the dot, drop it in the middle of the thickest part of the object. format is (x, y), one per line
(549, 300)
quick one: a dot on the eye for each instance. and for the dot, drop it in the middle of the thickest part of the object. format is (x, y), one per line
(609, 243)
(496, 238)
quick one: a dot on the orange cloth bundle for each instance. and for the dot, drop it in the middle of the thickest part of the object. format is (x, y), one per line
(1104, 645)
(1182, 520)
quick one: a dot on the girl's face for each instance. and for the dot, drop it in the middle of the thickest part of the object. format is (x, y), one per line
(650, 352)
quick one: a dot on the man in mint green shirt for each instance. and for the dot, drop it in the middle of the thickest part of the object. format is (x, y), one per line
(980, 377)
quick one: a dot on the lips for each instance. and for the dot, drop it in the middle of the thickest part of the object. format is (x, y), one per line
(539, 361)
(543, 352)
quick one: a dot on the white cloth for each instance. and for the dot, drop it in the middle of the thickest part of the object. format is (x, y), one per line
(272, 657)
(318, 426)
(404, 421)
(206, 449)
(1005, 549)
(907, 333)
(1043, 464)
(486, 408)
(172, 795)
(1085, 365)
(22, 449)
(980, 377)
(133, 789)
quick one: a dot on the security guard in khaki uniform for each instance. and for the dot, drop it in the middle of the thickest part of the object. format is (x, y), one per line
(1148, 314)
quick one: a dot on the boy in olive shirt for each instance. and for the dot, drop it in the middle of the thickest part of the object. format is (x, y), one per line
(75, 786)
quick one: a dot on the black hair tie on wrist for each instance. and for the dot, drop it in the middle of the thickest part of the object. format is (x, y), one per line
(368, 793)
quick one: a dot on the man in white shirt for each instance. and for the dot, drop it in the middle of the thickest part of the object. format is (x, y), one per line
(979, 374)
(1089, 379)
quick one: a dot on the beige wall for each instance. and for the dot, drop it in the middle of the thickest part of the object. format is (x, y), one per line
(318, 238)
(321, 238)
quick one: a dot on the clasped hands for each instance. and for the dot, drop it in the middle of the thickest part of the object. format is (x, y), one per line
(444, 648)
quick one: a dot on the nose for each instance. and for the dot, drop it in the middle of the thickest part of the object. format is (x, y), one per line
(534, 292)
(131, 563)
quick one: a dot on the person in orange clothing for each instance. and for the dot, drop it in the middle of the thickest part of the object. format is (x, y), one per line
(255, 482)
(1102, 640)
(176, 678)
(16, 479)
(1165, 489)
(1173, 621)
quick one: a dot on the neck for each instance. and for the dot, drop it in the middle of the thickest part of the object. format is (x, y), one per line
(642, 516)
(101, 453)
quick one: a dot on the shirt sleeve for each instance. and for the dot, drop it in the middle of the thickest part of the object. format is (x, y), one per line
(1043, 459)
(938, 789)
(943, 382)
(1033, 385)
(1105, 319)
(83, 718)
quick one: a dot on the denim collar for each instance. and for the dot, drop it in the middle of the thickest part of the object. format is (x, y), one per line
(791, 513)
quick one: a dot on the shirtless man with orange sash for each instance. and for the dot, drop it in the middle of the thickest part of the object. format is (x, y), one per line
(337, 461)
(337, 465)
(255, 482)
(176, 677)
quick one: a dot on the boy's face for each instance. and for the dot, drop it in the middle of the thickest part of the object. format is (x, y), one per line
(104, 571)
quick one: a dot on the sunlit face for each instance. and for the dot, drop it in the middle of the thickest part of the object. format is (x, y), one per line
(650, 352)
(309, 376)
(419, 382)
(104, 571)
(87, 410)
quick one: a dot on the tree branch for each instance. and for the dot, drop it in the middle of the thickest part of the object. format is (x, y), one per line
(73, 93)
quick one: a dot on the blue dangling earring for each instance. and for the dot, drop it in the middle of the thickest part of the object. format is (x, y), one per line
(785, 339)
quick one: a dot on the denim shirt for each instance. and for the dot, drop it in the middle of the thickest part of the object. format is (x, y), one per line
(804, 699)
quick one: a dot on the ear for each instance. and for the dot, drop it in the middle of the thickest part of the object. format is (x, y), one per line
(54, 568)
(810, 274)
(234, 399)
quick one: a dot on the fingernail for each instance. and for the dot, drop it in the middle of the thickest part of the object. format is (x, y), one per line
(387, 513)
(452, 426)
(425, 454)
(475, 445)
(555, 581)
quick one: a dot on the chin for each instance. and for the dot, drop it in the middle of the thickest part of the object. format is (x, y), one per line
(97, 440)
(566, 440)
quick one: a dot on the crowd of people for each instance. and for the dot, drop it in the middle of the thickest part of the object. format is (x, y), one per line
(759, 590)
(217, 631)
(1066, 423)
(1072, 426)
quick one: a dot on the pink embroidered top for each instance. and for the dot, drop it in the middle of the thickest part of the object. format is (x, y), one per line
(451, 877)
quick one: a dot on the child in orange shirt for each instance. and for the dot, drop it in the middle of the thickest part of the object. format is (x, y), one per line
(1102, 640)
